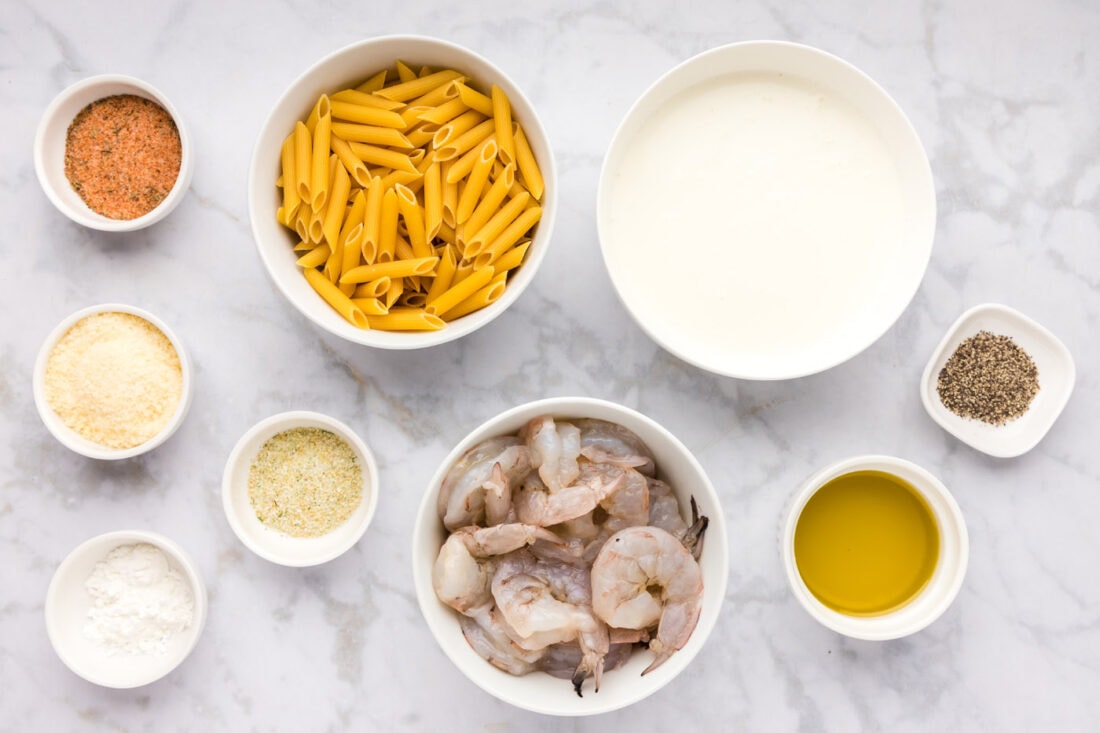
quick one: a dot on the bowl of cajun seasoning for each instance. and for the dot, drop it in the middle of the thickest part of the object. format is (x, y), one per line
(112, 153)
(998, 380)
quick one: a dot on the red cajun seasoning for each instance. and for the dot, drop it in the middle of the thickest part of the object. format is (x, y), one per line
(122, 155)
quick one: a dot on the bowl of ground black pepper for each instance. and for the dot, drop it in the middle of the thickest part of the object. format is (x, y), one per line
(300, 488)
(998, 380)
(112, 153)
(112, 381)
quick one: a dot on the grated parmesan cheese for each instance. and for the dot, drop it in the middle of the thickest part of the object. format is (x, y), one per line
(115, 379)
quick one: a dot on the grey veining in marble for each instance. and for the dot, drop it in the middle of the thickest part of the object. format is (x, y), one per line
(1006, 98)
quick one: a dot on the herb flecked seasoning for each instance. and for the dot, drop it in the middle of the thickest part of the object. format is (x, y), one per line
(988, 378)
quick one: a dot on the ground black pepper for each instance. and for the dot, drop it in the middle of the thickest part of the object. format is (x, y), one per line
(988, 378)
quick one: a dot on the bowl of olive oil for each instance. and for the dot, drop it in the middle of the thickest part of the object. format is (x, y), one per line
(875, 547)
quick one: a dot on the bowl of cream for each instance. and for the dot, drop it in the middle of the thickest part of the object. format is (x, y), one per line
(766, 211)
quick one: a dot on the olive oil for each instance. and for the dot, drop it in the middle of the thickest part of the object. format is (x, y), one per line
(866, 543)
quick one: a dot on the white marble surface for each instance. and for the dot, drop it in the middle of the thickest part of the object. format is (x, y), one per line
(1006, 97)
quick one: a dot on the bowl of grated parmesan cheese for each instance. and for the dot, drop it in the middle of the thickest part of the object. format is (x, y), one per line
(112, 381)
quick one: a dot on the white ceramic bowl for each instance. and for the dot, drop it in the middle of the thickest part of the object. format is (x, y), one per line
(347, 67)
(765, 211)
(537, 691)
(69, 437)
(1056, 378)
(269, 543)
(936, 596)
(68, 602)
(49, 151)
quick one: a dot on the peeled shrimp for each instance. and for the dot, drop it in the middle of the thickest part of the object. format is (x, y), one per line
(562, 660)
(486, 633)
(534, 503)
(608, 442)
(478, 488)
(643, 577)
(461, 575)
(664, 509)
(553, 449)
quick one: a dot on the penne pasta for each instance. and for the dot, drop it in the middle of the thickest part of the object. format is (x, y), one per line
(465, 141)
(513, 258)
(475, 99)
(365, 99)
(450, 196)
(413, 216)
(303, 159)
(502, 125)
(375, 288)
(382, 156)
(337, 200)
(320, 109)
(340, 302)
(351, 234)
(319, 171)
(506, 239)
(366, 114)
(457, 127)
(394, 270)
(493, 198)
(315, 257)
(291, 199)
(475, 183)
(487, 295)
(372, 221)
(460, 291)
(397, 286)
(444, 275)
(443, 113)
(356, 168)
(374, 83)
(406, 319)
(497, 224)
(525, 162)
(387, 235)
(404, 72)
(418, 86)
(353, 132)
(370, 306)
(433, 201)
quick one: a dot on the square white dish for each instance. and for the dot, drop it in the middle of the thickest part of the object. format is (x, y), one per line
(1057, 374)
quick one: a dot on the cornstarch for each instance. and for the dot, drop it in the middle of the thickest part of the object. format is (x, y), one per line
(138, 601)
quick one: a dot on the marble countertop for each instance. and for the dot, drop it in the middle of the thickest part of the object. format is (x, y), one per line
(1004, 97)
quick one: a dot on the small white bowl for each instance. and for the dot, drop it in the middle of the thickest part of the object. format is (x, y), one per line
(942, 588)
(68, 602)
(1056, 378)
(347, 67)
(49, 151)
(800, 246)
(269, 543)
(77, 442)
(538, 691)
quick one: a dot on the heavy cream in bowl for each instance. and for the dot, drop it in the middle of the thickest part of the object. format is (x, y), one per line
(766, 211)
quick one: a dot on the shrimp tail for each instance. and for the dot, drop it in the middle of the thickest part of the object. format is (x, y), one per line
(663, 653)
(590, 666)
(693, 535)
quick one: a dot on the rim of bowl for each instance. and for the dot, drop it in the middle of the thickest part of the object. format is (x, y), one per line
(51, 132)
(905, 124)
(717, 562)
(942, 588)
(326, 549)
(111, 540)
(69, 437)
(259, 184)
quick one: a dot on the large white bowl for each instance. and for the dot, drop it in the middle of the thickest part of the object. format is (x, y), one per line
(538, 691)
(49, 151)
(801, 271)
(344, 68)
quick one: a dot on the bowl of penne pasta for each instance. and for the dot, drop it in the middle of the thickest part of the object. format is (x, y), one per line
(402, 192)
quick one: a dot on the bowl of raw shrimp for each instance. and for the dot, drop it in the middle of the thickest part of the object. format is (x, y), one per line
(568, 546)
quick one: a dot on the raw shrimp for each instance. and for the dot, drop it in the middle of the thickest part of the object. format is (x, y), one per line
(608, 442)
(627, 506)
(485, 632)
(478, 487)
(461, 575)
(645, 576)
(547, 603)
(562, 660)
(534, 503)
(553, 450)
(664, 509)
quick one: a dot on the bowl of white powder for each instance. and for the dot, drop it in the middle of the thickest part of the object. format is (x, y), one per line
(766, 211)
(125, 608)
(112, 381)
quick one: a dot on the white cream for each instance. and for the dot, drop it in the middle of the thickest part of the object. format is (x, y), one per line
(757, 195)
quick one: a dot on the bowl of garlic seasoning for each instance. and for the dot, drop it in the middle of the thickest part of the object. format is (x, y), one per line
(112, 381)
(300, 488)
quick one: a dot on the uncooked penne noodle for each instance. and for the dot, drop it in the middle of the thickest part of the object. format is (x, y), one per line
(319, 172)
(372, 221)
(444, 274)
(341, 303)
(316, 228)
(475, 183)
(397, 286)
(475, 99)
(351, 235)
(335, 259)
(353, 132)
(493, 198)
(291, 199)
(375, 288)
(337, 200)
(463, 164)
(405, 73)
(315, 257)
(305, 246)
(411, 115)
(525, 162)
(502, 125)
(419, 136)
(433, 201)
(411, 300)
(402, 250)
(371, 306)
(457, 127)
(374, 83)
(463, 270)
(366, 115)
(356, 168)
(303, 159)
(382, 156)
(513, 258)
(301, 224)
(320, 108)
(392, 270)
(447, 234)
(413, 216)
(497, 224)
(387, 234)
(512, 234)
(406, 319)
(438, 96)
(444, 113)
(460, 291)
(404, 178)
(465, 141)
(417, 87)
(363, 99)
(483, 297)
